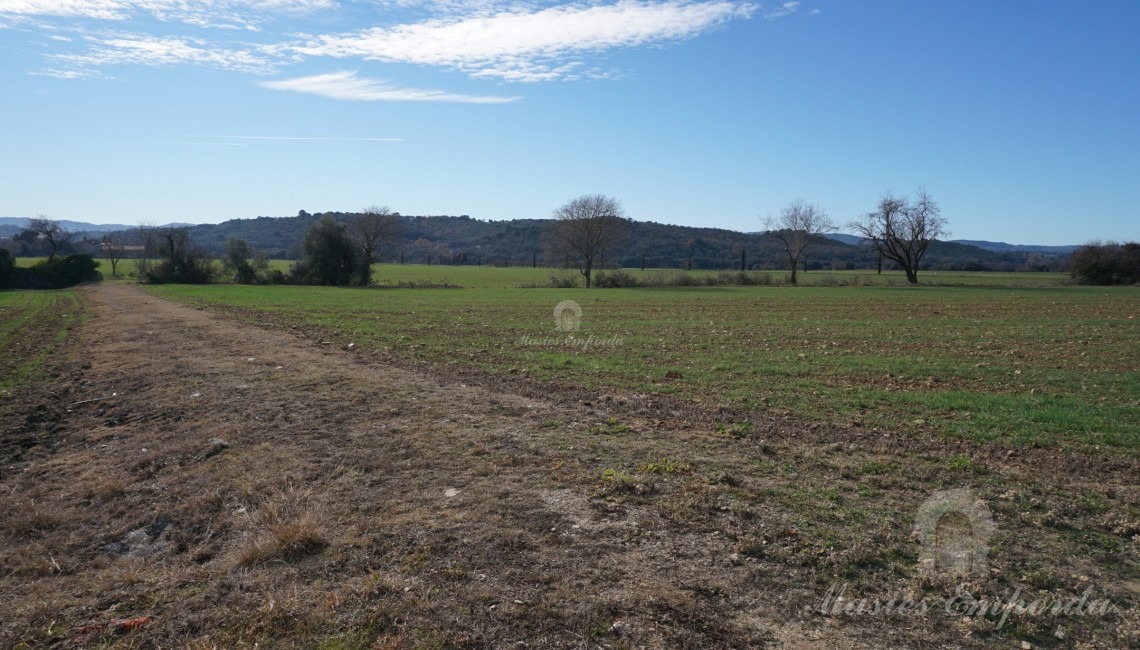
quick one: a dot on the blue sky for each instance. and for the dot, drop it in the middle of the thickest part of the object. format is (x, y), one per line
(1022, 119)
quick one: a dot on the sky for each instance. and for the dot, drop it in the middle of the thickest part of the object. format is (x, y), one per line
(1021, 119)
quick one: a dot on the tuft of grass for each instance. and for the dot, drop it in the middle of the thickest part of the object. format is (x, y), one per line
(610, 427)
(664, 466)
(283, 533)
(736, 429)
(963, 463)
(877, 468)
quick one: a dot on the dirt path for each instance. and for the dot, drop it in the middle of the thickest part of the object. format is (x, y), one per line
(240, 485)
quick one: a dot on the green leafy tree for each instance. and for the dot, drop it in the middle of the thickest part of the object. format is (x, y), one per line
(7, 269)
(1111, 263)
(235, 261)
(329, 256)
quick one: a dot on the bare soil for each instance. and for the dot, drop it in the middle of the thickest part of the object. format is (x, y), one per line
(192, 480)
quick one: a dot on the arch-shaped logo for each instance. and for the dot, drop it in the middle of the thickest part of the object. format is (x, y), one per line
(954, 529)
(567, 316)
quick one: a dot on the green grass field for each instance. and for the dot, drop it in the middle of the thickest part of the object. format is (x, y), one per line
(489, 277)
(33, 326)
(1056, 366)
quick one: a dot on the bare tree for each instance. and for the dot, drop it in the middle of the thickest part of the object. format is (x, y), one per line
(585, 228)
(374, 229)
(146, 234)
(901, 230)
(114, 247)
(181, 261)
(798, 225)
(52, 232)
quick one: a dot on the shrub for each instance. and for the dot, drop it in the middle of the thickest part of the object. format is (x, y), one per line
(614, 280)
(56, 273)
(182, 261)
(563, 281)
(1104, 264)
(7, 268)
(330, 257)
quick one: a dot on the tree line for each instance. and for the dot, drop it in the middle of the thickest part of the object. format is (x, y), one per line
(466, 241)
(587, 233)
(899, 229)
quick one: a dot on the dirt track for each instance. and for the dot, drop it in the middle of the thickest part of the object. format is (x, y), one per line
(240, 484)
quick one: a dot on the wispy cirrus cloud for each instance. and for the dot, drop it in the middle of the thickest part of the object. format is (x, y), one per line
(100, 9)
(306, 138)
(163, 51)
(202, 13)
(500, 40)
(786, 9)
(348, 86)
(246, 140)
(68, 74)
(528, 45)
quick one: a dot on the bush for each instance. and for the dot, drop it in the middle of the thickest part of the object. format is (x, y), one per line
(7, 268)
(182, 261)
(563, 281)
(55, 273)
(330, 257)
(614, 280)
(742, 278)
(1106, 264)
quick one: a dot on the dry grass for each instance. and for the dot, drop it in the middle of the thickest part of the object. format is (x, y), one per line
(282, 531)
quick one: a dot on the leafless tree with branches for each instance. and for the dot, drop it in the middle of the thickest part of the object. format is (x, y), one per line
(113, 245)
(374, 229)
(798, 225)
(52, 232)
(585, 228)
(901, 230)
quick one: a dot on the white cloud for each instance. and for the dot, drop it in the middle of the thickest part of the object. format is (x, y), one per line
(346, 85)
(304, 138)
(786, 9)
(159, 51)
(202, 13)
(529, 45)
(103, 9)
(68, 74)
(502, 40)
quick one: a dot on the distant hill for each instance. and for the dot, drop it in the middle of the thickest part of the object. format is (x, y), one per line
(464, 240)
(10, 226)
(995, 246)
(1002, 246)
(850, 240)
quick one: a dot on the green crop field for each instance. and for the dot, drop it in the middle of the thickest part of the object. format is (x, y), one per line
(1031, 365)
(33, 326)
(487, 277)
